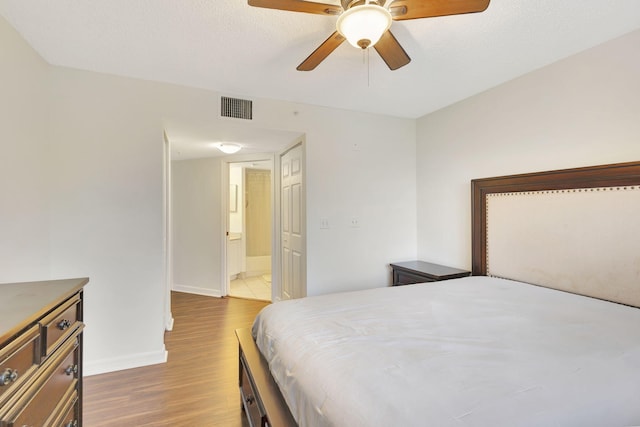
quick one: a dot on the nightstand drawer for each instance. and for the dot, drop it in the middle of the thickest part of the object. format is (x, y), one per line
(406, 278)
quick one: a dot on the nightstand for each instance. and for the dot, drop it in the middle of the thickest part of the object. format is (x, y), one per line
(406, 273)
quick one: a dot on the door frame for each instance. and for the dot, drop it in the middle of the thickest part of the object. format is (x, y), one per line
(246, 158)
(167, 232)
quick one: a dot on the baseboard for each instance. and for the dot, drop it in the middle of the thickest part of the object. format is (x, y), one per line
(197, 290)
(124, 362)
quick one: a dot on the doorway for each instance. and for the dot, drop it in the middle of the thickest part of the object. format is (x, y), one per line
(249, 237)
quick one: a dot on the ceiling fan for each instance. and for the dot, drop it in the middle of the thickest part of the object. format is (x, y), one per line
(366, 23)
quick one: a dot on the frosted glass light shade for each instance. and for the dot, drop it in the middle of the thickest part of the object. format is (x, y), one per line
(363, 25)
(228, 148)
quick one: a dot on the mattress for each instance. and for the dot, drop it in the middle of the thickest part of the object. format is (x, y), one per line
(476, 351)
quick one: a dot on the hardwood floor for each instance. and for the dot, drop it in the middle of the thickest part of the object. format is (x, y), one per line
(197, 387)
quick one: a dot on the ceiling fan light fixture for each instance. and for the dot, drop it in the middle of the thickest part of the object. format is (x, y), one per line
(227, 148)
(363, 25)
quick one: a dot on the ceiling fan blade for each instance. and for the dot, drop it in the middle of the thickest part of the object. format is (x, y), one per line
(413, 9)
(318, 55)
(391, 52)
(298, 6)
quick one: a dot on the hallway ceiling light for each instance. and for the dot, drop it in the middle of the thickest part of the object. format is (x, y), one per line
(228, 148)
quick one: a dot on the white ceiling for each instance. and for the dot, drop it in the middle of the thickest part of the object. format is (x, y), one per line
(236, 49)
(191, 140)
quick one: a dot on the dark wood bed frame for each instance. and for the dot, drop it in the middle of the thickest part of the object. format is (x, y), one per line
(261, 399)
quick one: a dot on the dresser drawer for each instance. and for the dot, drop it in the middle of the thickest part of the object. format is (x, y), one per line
(18, 361)
(66, 414)
(70, 419)
(60, 324)
(40, 400)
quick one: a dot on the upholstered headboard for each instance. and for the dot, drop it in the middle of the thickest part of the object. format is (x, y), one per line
(577, 230)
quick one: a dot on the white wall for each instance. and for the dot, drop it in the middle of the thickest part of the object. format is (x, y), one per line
(24, 222)
(358, 165)
(374, 183)
(197, 220)
(581, 111)
(82, 172)
(106, 212)
(107, 201)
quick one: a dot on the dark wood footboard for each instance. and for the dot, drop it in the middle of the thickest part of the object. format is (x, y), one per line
(260, 396)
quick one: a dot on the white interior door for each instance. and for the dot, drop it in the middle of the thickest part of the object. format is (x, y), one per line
(293, 245)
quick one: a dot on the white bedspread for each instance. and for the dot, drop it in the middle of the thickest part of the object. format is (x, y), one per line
(476, 351)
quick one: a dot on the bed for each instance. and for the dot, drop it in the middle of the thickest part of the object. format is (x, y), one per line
(545, 332)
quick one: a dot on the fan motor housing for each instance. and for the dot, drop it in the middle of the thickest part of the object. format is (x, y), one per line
(348, 4)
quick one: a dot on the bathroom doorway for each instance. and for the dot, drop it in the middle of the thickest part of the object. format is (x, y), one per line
(249, 240)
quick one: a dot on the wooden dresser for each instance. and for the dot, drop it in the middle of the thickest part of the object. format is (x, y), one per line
(41, 353)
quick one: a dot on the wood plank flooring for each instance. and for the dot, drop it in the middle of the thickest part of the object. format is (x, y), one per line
(197, 387)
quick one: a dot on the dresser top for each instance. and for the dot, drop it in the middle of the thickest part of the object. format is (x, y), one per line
(24, 303)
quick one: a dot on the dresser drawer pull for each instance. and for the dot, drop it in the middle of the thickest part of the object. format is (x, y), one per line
(73, 423)
(64, 324)
(71, 370)
(8, 376)
(250, 400)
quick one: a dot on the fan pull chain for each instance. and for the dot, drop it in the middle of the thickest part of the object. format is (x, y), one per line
(366, 61)
(368, 69)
